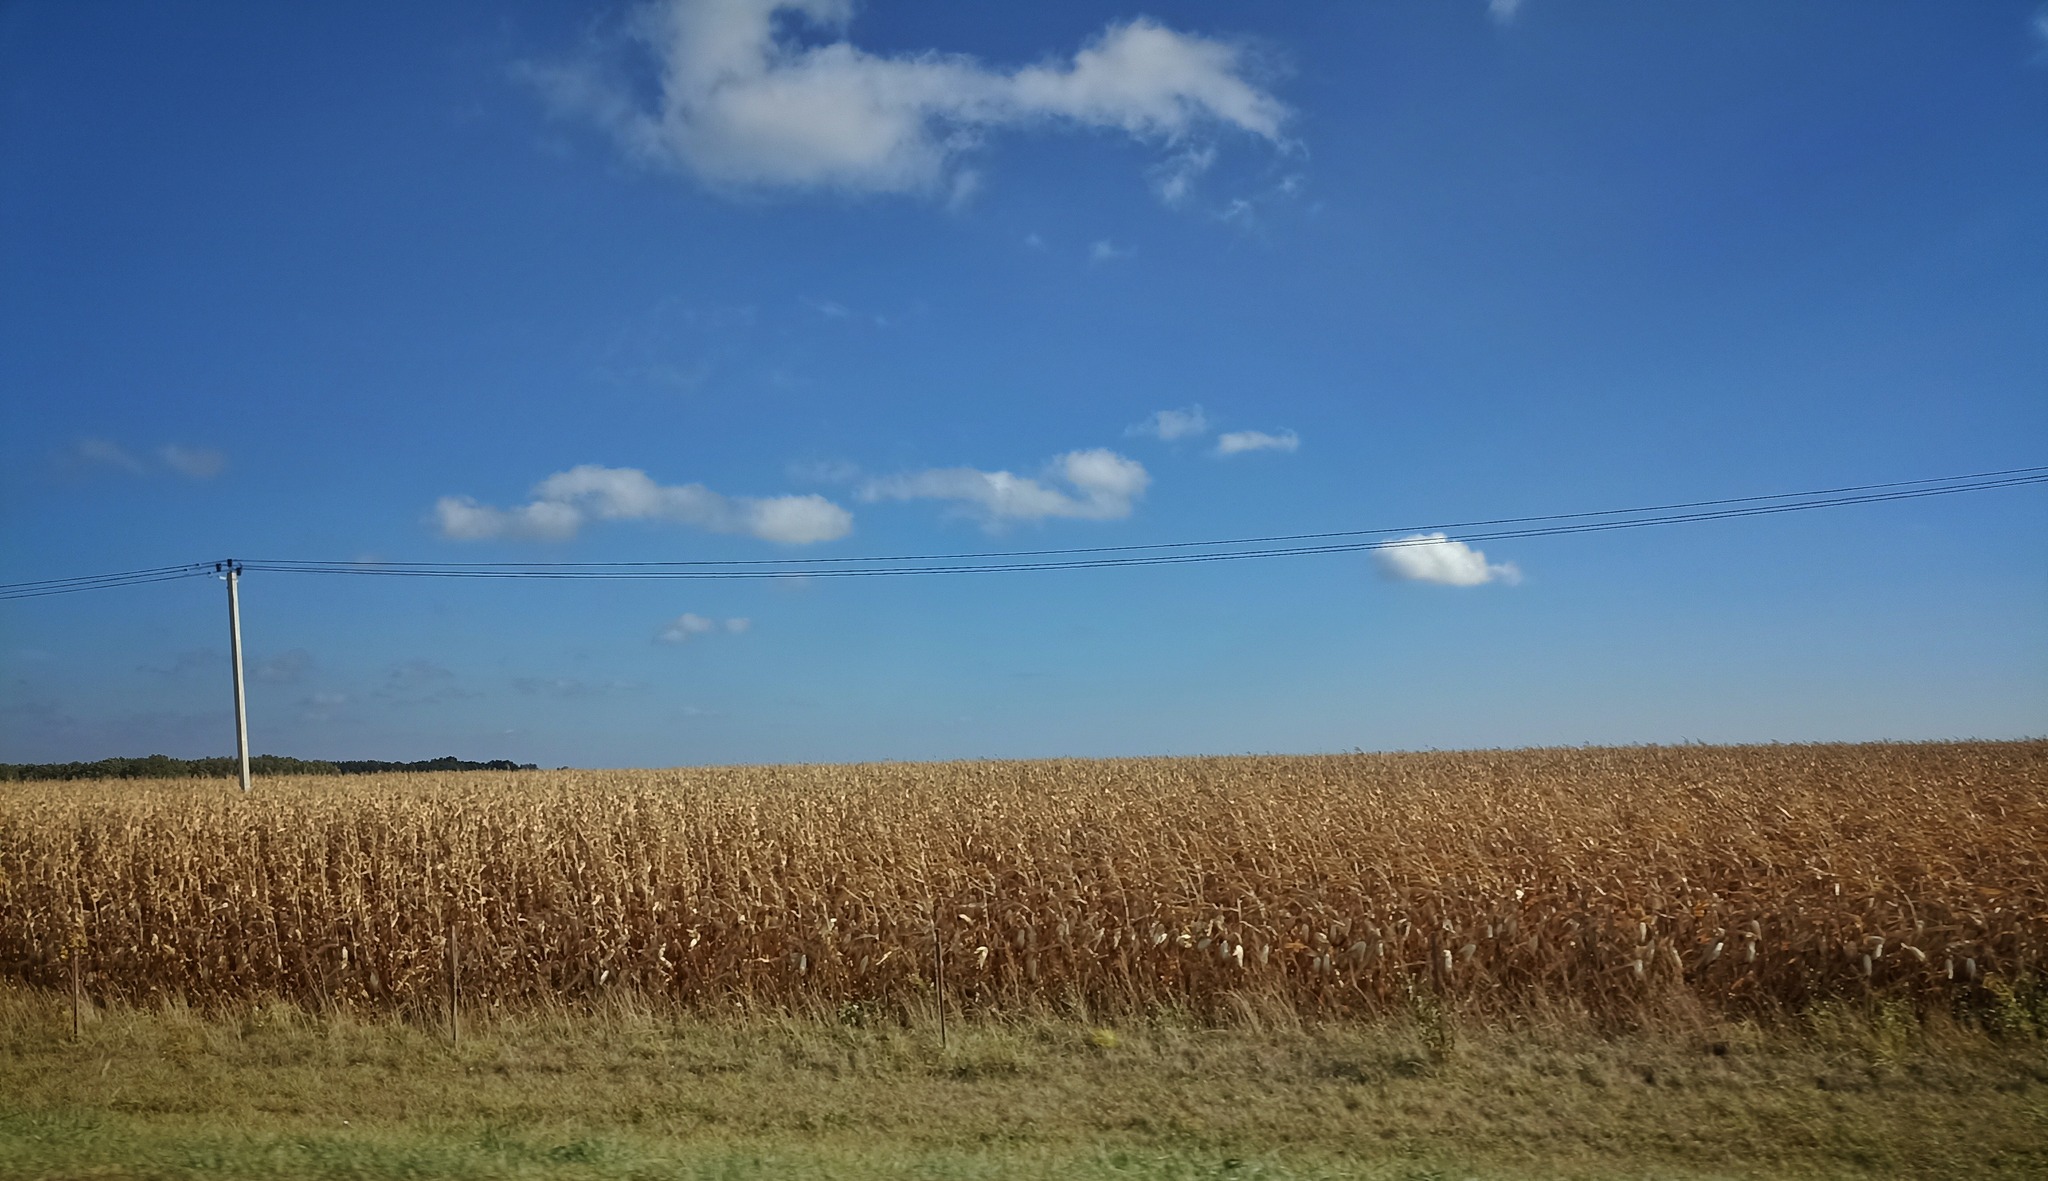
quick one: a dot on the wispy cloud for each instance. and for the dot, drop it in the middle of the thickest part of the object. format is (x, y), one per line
(106, 453)
(422, 682)
(1503, 12)
(1239, 442)
(194, 463)
(568, 688)
(1434, 557)
(744, 100)
(687, 626)
(1169, 425)
(1174, 179)
(322, 707)
(564, 502)
(1096, 484)
(187, 663)
(1104, 250)
(284, 668)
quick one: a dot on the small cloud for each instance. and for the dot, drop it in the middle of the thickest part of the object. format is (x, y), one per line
(831, 309)
(2039, 25)
(322, 707)
(196, 463)
(685, 627)
(1434, 557)
(569, 688)
(1239, 442)
(1174, 180)
(422, 682)
(414, 674)
(105, 453)
(1034, 241)
(1250, 211)
(1105, 250)
(1169, 425)
(286, 668)
(190, 662)
(966, 186)
(565, 501)
(759, 94)
(1096, 484)
(688, 626)
(1503, 11)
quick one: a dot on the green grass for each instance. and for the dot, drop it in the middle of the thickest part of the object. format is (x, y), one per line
(273, 1092)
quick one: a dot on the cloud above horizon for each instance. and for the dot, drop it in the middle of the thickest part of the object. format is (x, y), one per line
(1094, 485)
(1170, 425)
(687, 626)
(194, 463)
(564, 502)
(1239, 442)
(1435, 558)
(745, 101)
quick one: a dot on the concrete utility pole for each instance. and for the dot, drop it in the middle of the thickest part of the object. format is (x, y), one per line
(234, 574)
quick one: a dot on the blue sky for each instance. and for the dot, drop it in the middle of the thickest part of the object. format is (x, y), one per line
(739, 280)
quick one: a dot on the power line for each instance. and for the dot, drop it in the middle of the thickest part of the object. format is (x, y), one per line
(1209, 551)
(62, 586)
(1103, 557)
(2026, 474)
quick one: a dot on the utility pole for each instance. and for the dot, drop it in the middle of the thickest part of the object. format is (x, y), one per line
(234, 576)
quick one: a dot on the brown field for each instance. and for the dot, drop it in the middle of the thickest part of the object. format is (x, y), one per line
(1747, 880)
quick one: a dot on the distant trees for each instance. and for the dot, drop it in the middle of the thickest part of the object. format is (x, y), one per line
(166, 767)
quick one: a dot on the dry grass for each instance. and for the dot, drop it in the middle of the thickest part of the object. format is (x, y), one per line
(1741, 879)
(272, 1091)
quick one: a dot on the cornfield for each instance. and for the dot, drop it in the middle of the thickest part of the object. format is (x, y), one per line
(1755, 878)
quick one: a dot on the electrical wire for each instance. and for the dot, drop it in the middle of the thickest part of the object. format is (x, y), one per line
(1093, 558)
(2025, 475)
(1100, 557)
(62, 586)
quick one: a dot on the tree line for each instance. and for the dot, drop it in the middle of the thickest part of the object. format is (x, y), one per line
(166, 767)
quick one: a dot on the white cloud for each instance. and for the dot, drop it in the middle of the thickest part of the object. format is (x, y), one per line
(743, 101)
(1503, 11)
(1095, 485)
(106, 453)
(198, 463)
(563, 502)
(1238, 442)
(687, 626)
(1108, 251)
(463, 519)
(1170, 425)
(1174, 179)
(573, 687)
(1433, 557)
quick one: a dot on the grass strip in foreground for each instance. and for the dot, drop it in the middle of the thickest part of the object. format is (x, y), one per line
(268, 1091)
